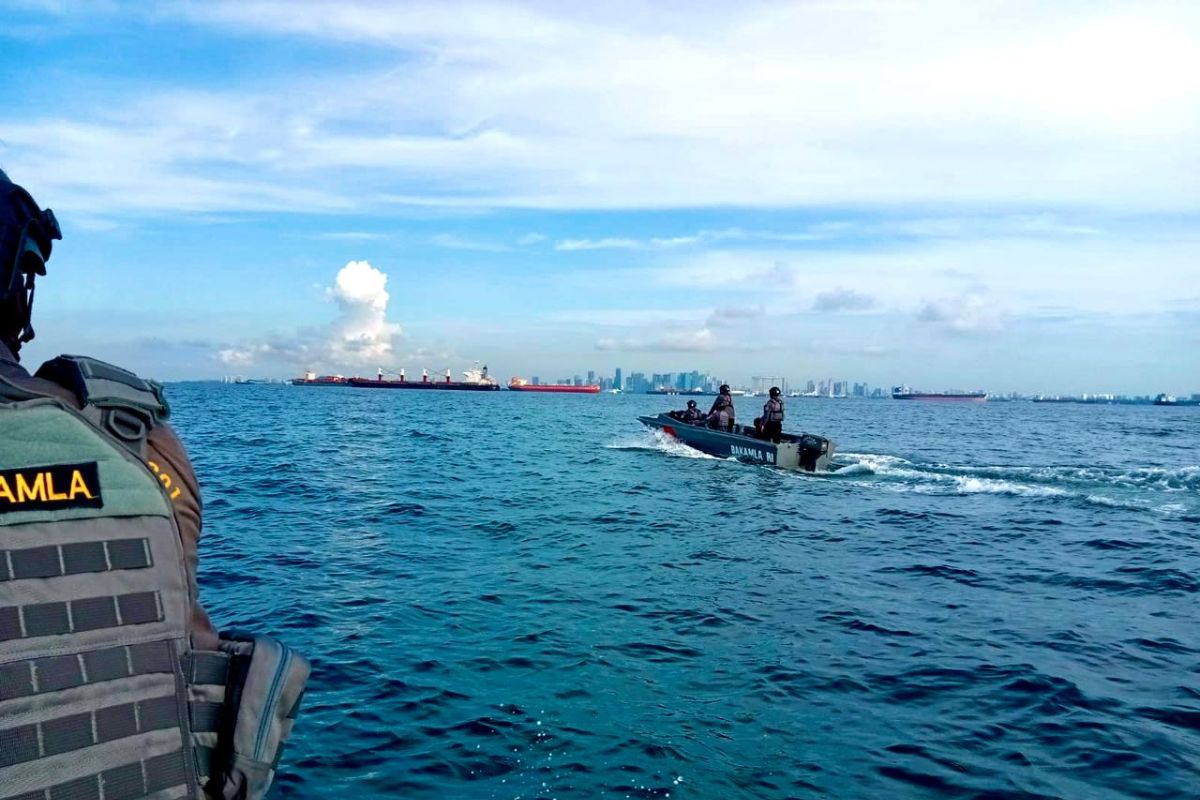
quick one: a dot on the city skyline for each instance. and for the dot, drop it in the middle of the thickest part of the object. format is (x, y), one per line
(636, 381)
(891, 191)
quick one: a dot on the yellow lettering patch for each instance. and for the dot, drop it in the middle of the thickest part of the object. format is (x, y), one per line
(50, 488)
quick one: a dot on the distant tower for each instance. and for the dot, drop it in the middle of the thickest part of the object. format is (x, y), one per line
(617, 380)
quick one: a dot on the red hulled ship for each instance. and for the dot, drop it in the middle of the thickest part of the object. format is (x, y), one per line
(522, 385)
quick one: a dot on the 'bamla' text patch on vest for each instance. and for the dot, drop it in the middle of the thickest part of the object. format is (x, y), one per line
(50, 488)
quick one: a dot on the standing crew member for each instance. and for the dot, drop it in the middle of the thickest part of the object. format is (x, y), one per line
(105, 651)
(721, 415)
(772, 418)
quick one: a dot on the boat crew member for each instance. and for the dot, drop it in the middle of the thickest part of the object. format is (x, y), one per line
(104, 645)
(772, 418)
(721, 415)
(693, 414)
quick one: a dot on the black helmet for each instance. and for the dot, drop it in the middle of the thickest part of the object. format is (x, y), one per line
(691, 403)
(775, 391)
(724, 388)
(26, 239)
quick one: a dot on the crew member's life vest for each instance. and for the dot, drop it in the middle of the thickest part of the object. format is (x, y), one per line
(101, 693)
(725, 402)
(773, 411)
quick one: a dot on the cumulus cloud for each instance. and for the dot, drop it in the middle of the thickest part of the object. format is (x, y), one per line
(363, 333)
(360, 336)
(843, 300)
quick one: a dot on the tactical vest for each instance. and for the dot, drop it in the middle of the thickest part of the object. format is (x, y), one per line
(101, 695)
(773, 411)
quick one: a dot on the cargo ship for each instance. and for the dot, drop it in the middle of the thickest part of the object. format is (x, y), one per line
(905, 393)
(474, 380)
(312, 379)
(522, 385)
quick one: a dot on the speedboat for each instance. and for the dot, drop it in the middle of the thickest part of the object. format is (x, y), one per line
(801, 451)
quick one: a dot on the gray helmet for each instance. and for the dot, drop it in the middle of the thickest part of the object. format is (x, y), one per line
(775, 392)
(27, 234)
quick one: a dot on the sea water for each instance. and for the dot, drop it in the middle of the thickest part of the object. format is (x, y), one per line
(528, 596)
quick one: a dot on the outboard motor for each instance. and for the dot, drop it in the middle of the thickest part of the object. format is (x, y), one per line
(812, 449)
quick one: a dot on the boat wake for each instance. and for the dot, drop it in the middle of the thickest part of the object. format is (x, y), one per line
(1165, 491)
(659, 441)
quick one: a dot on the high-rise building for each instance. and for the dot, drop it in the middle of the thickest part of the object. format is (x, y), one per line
(591, 377)
(810, 387)
(536, 380)
(617, 380)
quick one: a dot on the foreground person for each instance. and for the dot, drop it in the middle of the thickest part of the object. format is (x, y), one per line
(113, 682)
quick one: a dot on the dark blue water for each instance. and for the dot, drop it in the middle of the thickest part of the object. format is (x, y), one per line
(516, 596)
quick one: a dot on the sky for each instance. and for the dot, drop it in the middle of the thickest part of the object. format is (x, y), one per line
(996, 195)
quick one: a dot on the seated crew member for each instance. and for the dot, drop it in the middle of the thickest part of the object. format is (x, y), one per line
(772, 418)
(721, 415)
(693, 414)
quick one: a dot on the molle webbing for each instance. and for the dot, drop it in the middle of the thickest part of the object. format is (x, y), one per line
(74, 559)
(127, 782)
(77, 731)
(76, 616)
(55, 673)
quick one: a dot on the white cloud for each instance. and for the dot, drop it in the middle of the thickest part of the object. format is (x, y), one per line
(565, 106)
(731, 315)
(691, 341)
(350, 236)
(596, 244)
(455, 242)
(624, 317)
(843, 300)
(360, 336)
(969, 313)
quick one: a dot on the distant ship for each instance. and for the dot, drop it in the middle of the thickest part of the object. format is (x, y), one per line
(312, 379)
(522, 385)
(1172, 400)
(905, 393)
(697, 392)
(474, 380)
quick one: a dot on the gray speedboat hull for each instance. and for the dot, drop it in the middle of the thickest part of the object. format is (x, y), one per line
(802, 451)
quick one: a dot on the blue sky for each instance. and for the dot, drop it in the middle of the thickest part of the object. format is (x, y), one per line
(996, 195)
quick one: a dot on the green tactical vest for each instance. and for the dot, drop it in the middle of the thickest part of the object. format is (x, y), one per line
(101, 695)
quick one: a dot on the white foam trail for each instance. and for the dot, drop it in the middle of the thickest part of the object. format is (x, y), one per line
(968, 485)
(854, 469)
(657, 440)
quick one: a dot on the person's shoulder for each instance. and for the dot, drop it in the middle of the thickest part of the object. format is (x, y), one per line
(94, 381)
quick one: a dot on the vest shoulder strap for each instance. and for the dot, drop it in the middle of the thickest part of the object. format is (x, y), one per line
(113, 399)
